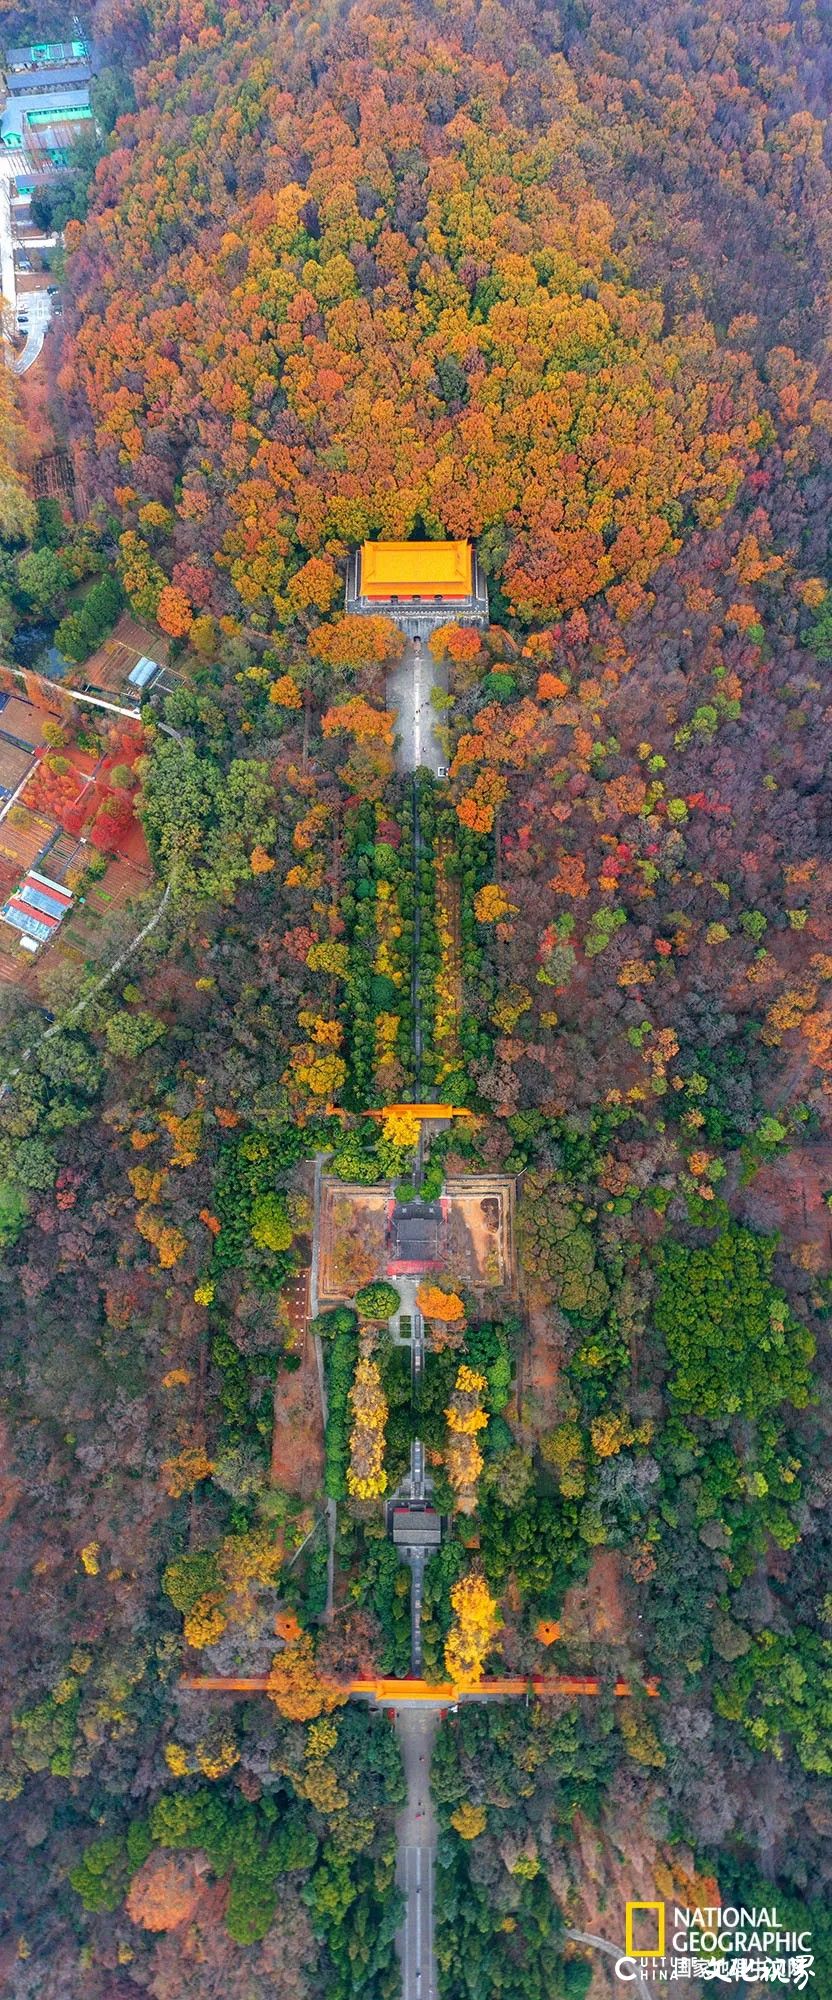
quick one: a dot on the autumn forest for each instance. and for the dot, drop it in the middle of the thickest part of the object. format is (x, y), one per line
(447, 1135)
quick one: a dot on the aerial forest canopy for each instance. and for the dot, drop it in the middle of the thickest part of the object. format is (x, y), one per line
(342, 283)
(425, 1093)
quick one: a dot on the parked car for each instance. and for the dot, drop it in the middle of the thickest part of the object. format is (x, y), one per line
(24, 263)
(51, 290)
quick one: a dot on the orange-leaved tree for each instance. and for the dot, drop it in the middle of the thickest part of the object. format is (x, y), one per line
(285, 693)
(314, 587)
(164, 1893)
(436, 1304)
(358, 718)
(173, 612)
(351, 642)
(458, 642)
(182, 1473)
(476, 808)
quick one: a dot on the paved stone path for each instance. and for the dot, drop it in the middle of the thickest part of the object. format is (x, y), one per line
(416, 1832)
(409, 688)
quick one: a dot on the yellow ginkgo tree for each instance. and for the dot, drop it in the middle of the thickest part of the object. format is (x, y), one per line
(475, 1627)
(366, 1477)
(465, 1418)
(491, 904)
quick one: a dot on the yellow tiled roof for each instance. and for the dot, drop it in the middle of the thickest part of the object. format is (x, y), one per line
(416, 569)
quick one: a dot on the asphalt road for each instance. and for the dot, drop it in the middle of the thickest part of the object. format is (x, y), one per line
(416, 1861)
(39, 307)
(638, 1985)
(416, 1834)
(37, 301)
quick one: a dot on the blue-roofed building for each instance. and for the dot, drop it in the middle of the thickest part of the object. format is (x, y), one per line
(58, 76)
(25, 184)
(45, 121)
(36, 909)
(41, 55)
(144, 671)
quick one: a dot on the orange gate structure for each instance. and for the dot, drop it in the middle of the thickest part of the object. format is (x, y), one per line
(386, 1691)
(422, 1112)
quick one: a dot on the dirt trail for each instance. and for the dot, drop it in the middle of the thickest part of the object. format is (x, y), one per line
(538, 1368)
(297, 1438)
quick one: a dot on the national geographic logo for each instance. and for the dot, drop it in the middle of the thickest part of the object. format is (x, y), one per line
(633, 1949)
(728, 1945)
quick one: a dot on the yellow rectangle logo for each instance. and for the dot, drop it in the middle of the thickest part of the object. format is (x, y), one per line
(633, 1950)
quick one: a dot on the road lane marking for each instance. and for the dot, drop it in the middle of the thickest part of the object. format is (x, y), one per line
(407, 1922)
(419, 1922)
(433, 1957)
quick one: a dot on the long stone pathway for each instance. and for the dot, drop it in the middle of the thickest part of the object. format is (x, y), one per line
(416, 1833)
(409, 687)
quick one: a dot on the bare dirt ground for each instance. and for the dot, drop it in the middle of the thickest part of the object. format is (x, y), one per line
(352, 1239)
(595, 1609)
(538, 1369)
(481, 1231)
(298, 1437)
(128, 642)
